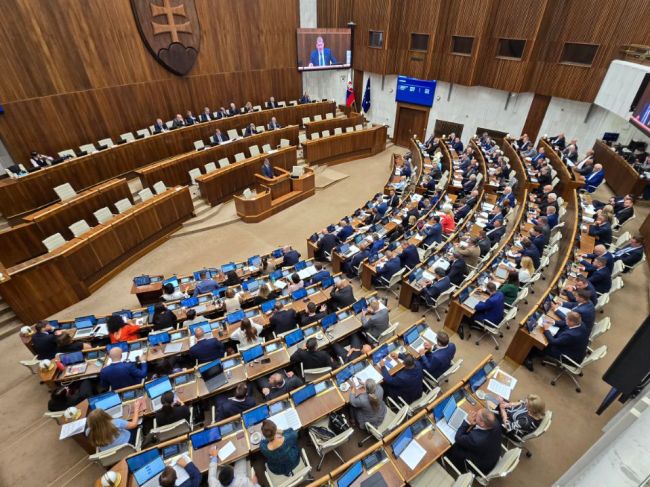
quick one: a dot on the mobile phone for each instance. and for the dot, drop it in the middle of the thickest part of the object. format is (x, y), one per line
(266, 360)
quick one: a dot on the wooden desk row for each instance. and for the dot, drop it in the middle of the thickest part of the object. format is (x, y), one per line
(568, 183)
(19, 196)
(319, 126)
(345, 147)
(620, 175)
(174, 170)
(49, 283)
(25, 240)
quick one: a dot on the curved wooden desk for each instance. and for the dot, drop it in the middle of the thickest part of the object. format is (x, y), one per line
(345, 147)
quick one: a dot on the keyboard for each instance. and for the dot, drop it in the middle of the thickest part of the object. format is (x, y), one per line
(457, 418)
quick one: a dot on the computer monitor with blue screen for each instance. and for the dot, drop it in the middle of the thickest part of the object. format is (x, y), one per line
(125, 314)
(402, 441)
(328, 321)
(268, 305)
(350, 475)
(255, 416)
(205, 437)
(294, 337)
(85, 322)
(275, 275)
(255, 261)
(299, 294)
(277, 253)
(189, 302)
(303, 394)
(204, 325)
(449, 409)
(150, 470)
(477, 380)
(123, 345)
(439, 409)
(344, 375)
(172, 280)
(411, 335)
(235, 316)
(228, 267)
(300, 265)
(158, 387)
(251, 286)
(344, 249)
(252, 353)
(219, 293)
(359, 306)
(380, 354)
(136, 462)
(104, 401)
(325, 283)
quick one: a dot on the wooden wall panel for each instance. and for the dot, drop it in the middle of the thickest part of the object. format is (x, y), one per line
(76, 72)
(536, 115)
(371, 15)
(334, 13)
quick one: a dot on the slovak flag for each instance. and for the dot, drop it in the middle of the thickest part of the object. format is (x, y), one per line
(349, 95)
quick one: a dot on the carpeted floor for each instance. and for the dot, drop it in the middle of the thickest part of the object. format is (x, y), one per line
(32, 455)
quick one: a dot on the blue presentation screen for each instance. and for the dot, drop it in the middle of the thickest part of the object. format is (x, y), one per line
(416, 91)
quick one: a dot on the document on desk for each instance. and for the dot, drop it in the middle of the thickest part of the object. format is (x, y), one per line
(430, 335)
(499, 389)
(287, 419)
(173, 347)
(413, 454)
(280, 284)
(227, 450)
(369, 373)
(448, 431)
(71, 429)
(181, 474)
(562, 312)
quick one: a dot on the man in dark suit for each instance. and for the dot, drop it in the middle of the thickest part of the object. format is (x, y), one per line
(345, 232)
(631, 253)
(507, 195)
(537, 238)
(178, 122)
(409, 256)
(432, 232)
(571, 340)
(584, 307)
(354, 262)
(492, 308)
(312, 314)
(290, 258)
(393, 199)
(484, 243)
(529, 250)
(601, 278)
(375, 319)
(283, 320)
(273, 124)
(44, 341)
(457, 145)
(267, 169)
(206, 349)
(206, 116)
(278, 384)
(233, 110)
(601, 230)
(478, 440)
(581, 283)
(237, 404)
(189, 118)
(271, 103)
(222, 113)
(159, 126)
(386, 271)
(407, 383)
(310, 357)
(626, 211)
(559, 142)
(250, 130)
(320, 274)
(120, 374)
(457, 270)
(341, 296)
(595, 178)
(304, 99)
(439, 286)
(325, 244)
(599, 251)
(377, 243)
(218, 137)
(321, 56)
(436, 360)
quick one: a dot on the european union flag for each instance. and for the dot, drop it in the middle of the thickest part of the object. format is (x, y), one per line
(365, 104)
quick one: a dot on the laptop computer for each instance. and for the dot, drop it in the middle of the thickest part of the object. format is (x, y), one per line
(294, 337)
(84, 326)
(255, 416)
(252, 353)
(173, 281)
(350, 475)
(148, 475)
(471, 301)
(449, 417)
(299, 294)
(402, 441)
(110, 402)
(213, 375)
(359, 306)
(267, 306)
(235, 316)
(501, 273)
(155, 389)
(477, 380)
(206, 437)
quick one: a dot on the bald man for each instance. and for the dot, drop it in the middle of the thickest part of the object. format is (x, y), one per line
(478, 440)
(122, 374)
(206, 349)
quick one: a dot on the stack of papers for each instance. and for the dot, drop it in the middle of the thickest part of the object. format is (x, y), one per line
(287, 419)
(413, 454)
(369, 373)
(71, 429)
(173, 347)
(502, 384)
(226, 451)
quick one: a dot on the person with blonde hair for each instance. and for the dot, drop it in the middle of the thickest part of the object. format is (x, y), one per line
(104, 432)
(367, 404)
(526, 269)
(280, 448)
(521, 418)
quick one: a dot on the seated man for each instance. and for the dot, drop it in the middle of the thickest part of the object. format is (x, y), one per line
(601, 230)
(271, 103)
(206, 116)
(387, 270)
(206, 349)
(312, 314)
(470, 251)
(492, 308)
(310, 357)
(290, 258)
(481, 444)
(581, 282)
(218, 137)
(178, 121)
(437, 359)
(222, 113)
(240, 402)
(283, 320)
(571, 340)
(320, 275)
(278, 384)
(375, 319)
(250, 130)
(169, 477)
(584, 307)
(349, 266)
(325, 244)
(407, 383)
(205, 285)
(345, 232)
(432, 232)
(626, 211)
(538, 238)
(341, 295)
(631, 253)
(233, 110)
(44, 341)
(159, 126)
(120, 374)
(409, 257)
(595, 178)
(189, 118)
(601, 277)
(267, 169)
(529, 250)
(497, 232)
(599, 251)
(457, 269)
(273, 124)
(434, 289)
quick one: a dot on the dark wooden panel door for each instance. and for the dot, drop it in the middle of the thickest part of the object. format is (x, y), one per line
(536, 115)
(410, 121)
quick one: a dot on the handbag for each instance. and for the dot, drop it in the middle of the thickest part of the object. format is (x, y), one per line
(338, 423)
(322, 433)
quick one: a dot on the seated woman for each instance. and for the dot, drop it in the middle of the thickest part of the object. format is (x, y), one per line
(232, 279)
(65, 344)
(510, 288)
(104, 432)
(264, 294)
(526, 269)
(248, 334)
(296, 283)
(232, 302)
(521, 418)
(280, 448)
(163, 318)
(118, 331)
(367, 404)
(171, 410)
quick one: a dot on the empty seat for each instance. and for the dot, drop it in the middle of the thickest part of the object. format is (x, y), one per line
(87, 148)
(326, 133)
(194, 173)
(103, 215)
(159, 187)
(143, 133)
(210, 167)
(232, 134)
(223, 162)
(65, 191)
(349, 129)
(169, 124)
(53, 241)
(199, 145)
(243, 132)
(302, 138)
(305, 120)
(266, 148)
(254, 150)
(106, 143)
(145, 194)
(293, 103)
(127, 137)
(79, 228)
(338, 130)
(282, 103)
(329, 116)
(123, 205)
(358, 126)
(315, 136)
(239, 157)
(285, 142)
(260, 128)
(67, 153)
(318, 118)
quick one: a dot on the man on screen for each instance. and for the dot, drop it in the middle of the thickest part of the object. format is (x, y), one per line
(321, 56)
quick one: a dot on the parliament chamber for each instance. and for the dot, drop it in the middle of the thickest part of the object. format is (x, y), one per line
(325, 243)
